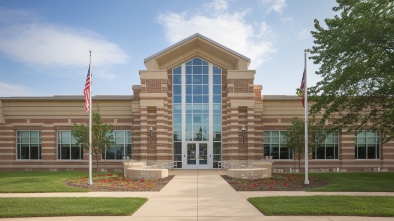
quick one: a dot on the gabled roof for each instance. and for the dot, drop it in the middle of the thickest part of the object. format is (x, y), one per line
(200, 42)
(197, 35)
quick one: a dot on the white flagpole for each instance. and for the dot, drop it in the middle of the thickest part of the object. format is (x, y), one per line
(306, 121)
(90, 122)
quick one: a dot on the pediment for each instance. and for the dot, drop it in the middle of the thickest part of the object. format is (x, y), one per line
(197, 45)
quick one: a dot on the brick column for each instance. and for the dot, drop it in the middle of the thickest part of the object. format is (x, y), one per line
(155, 113)
(238, 112)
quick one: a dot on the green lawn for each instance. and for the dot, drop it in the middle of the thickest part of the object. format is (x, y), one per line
(27, 182)
(86, 206)
(336, 205)
(375, 206)
(356, 182)
(22, 182)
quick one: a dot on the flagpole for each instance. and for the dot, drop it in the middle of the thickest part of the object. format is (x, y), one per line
(306, 121)
(90, 121)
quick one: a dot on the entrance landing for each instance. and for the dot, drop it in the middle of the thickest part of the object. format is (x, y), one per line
(201, 194)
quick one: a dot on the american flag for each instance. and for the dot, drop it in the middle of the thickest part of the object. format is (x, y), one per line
(302, 88)
(86, 91)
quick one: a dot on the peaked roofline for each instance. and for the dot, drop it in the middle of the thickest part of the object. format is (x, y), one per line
(197, 35)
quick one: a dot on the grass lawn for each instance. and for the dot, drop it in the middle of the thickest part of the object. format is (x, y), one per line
(28, 182)
(375, 206)
(356, 182)
(86, 206)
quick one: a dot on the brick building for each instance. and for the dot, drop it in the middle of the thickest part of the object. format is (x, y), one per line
(196, 105)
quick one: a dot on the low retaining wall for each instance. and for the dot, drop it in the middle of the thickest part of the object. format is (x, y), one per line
(136, 170)
(132, 165)
(249, 173)
(148, 174)
(263, 164)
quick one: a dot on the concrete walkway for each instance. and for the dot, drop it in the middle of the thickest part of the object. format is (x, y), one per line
(198, 194)
(195, 195)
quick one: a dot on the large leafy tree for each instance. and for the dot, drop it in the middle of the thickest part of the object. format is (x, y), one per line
(102, 137)
(355, 50)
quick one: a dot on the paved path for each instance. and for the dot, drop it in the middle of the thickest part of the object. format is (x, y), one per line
(198, 194)
(195, 195)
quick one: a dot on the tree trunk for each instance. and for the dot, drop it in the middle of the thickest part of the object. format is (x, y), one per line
(105, 160)
(295, 162)
(299, 155)
(299, 162)
(97, 161)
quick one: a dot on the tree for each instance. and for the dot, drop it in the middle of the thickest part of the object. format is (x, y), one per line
(355, 52)
(102, 137)
(295, 138)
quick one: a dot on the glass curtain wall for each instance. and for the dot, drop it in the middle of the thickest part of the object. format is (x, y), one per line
(197, 107)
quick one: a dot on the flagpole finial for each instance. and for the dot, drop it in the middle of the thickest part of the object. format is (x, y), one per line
(90, 51)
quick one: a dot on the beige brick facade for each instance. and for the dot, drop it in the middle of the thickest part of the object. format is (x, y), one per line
(151, 106)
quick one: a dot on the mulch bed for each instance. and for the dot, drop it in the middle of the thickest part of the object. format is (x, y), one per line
(278, 182)
(117, 183)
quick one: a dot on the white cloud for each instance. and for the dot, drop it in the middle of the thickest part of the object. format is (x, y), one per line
(7, 90)
(218, 5)
(287, 20)
(25, 38)
(42, 44)
(228, 29)
(304, 34)
(274, 5)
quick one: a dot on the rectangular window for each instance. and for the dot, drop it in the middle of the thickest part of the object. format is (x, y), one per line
(67, 146)
(122, 147)
(327, 149)
(28, 145)
(274, 147)
(367, 145)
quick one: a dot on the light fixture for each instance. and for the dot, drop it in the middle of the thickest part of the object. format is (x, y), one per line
(150, 131)
(243, 133)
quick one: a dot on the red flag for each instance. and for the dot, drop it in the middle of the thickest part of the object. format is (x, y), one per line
(86, 91)
(302, 88)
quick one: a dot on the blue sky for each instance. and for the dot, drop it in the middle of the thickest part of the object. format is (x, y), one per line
(44, 44)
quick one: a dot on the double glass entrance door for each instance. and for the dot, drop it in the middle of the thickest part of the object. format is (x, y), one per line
(197, 154)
